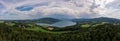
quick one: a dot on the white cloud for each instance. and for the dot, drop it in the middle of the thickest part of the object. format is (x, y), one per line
(64, 9)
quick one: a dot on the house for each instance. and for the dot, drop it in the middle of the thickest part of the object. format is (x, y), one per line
(50, 28)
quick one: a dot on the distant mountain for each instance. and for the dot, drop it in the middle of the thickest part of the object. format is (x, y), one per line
(95, 20)
(46, 20)
(41, 20)
(53, 20)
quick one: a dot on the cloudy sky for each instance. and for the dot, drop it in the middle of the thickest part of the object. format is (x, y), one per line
(61, 9)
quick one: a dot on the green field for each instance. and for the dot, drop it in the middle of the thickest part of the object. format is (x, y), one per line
(1, 21)
(40, 29)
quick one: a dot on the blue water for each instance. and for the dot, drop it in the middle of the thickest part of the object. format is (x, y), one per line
(59, 24)
(64, 24)
(43, 24)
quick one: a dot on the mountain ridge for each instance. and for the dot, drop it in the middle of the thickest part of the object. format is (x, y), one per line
(81, 20)
(100, 19)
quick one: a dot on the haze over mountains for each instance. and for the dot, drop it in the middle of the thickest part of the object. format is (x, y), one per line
(81, 20)
(60, 9)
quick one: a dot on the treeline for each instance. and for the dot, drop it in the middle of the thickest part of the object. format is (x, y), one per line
(105, 32)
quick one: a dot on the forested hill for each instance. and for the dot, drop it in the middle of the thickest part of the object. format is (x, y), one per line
(41, 20)
(101, 19)
(83, 32)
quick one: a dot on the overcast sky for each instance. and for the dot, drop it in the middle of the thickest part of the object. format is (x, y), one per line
(61, 9)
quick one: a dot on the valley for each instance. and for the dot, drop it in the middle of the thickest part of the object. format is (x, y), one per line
(59, 20)
(26, 30)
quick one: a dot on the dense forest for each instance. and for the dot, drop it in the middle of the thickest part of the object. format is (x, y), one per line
(79, 32)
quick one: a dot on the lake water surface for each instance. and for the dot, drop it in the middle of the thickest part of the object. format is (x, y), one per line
(59, 24)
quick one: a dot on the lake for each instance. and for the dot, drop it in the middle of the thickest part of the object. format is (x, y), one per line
(59, 24)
